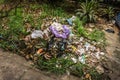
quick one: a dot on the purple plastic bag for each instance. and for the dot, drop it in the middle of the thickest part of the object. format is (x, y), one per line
(63, 35)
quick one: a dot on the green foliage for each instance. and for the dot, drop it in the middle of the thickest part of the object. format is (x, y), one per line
(47, 10)
(79, 27)
(94, 74)
(1, 1)
(77, 69)
(55, 65)
(96, 35)
(60, 65)
(12, 32)
(81, 69)
(34, 6)
(109, 12)
(87, 11)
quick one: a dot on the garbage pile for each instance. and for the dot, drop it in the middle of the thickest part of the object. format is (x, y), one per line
(61, 40)
(56, 35)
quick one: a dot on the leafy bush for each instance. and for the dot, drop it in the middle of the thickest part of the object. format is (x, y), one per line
(96, 35)
(12, 32)
(61, 65)
(79, 27)
(55, 65)
(109, 12)
(87, 11)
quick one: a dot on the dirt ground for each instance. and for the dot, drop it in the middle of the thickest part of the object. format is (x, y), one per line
(113, 57)
(15, 67)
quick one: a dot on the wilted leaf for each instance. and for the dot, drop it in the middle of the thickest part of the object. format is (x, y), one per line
(39, 51)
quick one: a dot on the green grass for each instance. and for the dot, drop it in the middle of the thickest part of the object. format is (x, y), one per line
(50, 11)
(61, 65)
(16, 20)
(79, 27)
(1, 1)
(96, 35)
(55, 65)
(13, 31)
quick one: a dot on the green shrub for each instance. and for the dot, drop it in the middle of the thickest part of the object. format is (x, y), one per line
(96, 35)
(87, 11)
(109, 12)
(55, 65)
(12, 32)
(79, 27)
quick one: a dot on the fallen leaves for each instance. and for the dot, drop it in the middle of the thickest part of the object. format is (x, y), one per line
(88, 76)
(39, 51)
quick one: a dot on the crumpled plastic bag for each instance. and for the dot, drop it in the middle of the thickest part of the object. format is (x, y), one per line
(57, 26)
(60, 31)
(70, 20)
(37, 34)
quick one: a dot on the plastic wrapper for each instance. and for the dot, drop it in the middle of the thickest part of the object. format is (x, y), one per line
(37, 34)
(63, 34)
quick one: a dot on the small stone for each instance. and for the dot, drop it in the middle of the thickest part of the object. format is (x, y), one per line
(82, 51)
(81, 39)
(74, 60)
(100, 69)
(81, 59)
(102, 53)
(87, 76)
(90, 29)
(87, 46)
(91, 25)
(97, 55)
(92, 48)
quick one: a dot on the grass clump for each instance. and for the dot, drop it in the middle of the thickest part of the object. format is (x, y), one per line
(79, 27)
(55, 65)
(61, 66)
(96, 35)
(50, 11)
(87, 11)
(12, 31)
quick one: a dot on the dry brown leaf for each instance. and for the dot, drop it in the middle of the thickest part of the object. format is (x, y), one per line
(39, 51)
(88, 76)
(47, 56)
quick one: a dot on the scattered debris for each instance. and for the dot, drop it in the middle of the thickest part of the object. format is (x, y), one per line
(110, 30)
(60, 31)
(99, 69)
(39, 51)
(70, 20)
(88, 76)
(60, 40)
(37, 34)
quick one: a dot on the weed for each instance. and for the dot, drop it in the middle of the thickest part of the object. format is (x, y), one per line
(109, 12)
(34, 7)
(12, 32)
(1, 1)
(55, 65)
(94, 74)
(47, 10)
(77, 69)
(79, 27)
(96, 35)
(87, 11)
